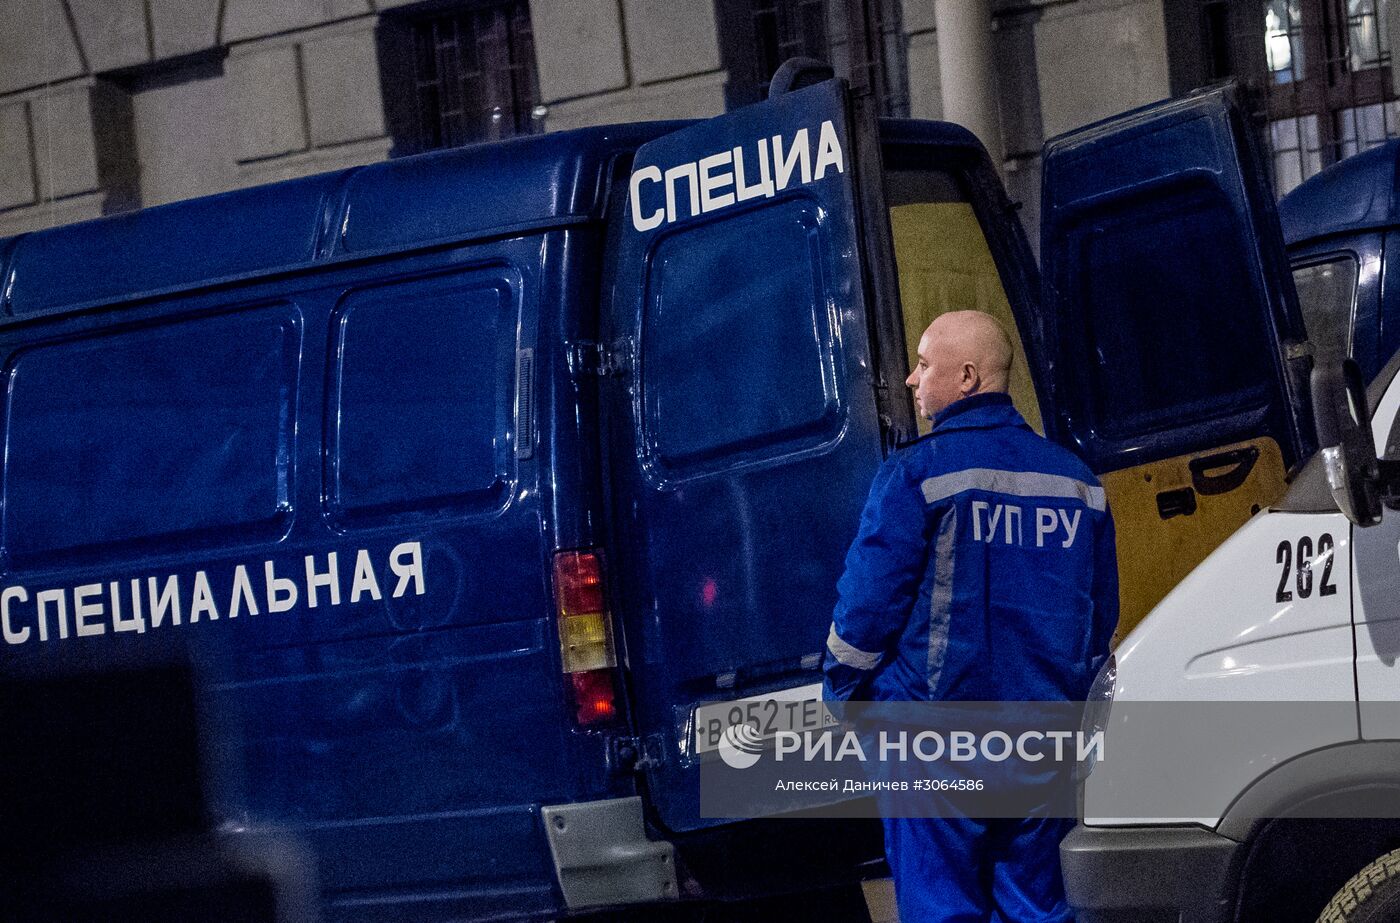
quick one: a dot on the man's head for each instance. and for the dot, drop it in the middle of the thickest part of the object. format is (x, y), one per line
(962, 353)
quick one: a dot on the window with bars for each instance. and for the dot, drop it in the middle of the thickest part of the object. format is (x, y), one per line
(459, 75)
(1320, 70)
(1326, 86)
(756, 36)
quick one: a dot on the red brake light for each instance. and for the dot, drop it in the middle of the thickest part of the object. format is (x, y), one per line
(578, 583)
(595, 700)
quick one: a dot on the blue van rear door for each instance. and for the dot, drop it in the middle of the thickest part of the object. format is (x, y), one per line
(743, 431)
(1181, 360)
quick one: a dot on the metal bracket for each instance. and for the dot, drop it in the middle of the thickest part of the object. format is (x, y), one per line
(634, 754)
(1297, 349)
(586, 357)
(602, 855)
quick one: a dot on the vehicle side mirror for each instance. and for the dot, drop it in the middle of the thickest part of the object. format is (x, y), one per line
(1345, 441)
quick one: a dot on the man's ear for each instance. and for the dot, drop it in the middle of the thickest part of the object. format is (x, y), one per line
(970, 379)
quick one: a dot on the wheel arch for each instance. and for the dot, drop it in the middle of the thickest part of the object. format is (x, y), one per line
(1310, 824)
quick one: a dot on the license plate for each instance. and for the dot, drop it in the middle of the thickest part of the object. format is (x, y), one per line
(797, 709)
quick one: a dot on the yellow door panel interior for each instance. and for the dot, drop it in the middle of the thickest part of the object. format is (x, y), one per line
(1171, 514)
(945, 265)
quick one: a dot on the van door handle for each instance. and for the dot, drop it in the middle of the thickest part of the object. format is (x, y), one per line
(1239, 461)
(1179, 502)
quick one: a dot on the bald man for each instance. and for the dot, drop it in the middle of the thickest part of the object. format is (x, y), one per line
(983, 570)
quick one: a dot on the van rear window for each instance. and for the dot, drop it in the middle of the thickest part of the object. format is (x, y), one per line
(1144, 283)
(423, 397)
(737, 352)
(155, 438)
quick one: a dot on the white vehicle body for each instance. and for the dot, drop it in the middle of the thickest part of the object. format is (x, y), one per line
(1287, 683)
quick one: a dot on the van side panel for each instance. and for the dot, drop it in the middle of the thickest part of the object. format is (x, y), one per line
(312, 485)
(107, 457)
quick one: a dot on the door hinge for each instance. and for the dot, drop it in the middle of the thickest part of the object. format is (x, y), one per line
(589, 358)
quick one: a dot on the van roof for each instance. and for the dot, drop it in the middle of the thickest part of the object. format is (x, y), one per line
(484, 189)
(488, 189)
(1356, 194)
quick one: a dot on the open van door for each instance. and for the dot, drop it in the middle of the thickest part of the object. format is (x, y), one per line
(1181, 361)
(742, 421)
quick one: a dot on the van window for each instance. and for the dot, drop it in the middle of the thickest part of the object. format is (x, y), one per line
(737, 351)
(423, 393)
(945, 265)
(1139, 282)
(164, 437)
(1327, 297)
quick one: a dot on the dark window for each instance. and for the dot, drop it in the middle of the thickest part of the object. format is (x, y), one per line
(459, 76)
(756, 36)
(1134, 292)
(1327, 297)
(737, 354)
(423, 397)
(169, 437)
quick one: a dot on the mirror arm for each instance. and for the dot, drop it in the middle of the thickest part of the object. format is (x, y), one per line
(1388, 481)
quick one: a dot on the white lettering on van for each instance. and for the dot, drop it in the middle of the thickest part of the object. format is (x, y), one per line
(169, 599)
(11, 635)
(688, 172)
(202, 602)
(329, 578)
(742, 190)
(83, 610)
(797, 155)
(711, 181)
(135, 622)
(653, 221)
(139, 605)
(364, 581)
(42, 603)
(829, 152)
(242, 593)
(281, 591)
(412, 570)
(724, 178)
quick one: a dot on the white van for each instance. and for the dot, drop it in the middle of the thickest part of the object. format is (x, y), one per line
(1252, 746)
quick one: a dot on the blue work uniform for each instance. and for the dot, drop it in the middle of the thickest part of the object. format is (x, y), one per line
(984, 570)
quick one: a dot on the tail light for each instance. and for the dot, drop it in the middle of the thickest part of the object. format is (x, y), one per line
(585, 636)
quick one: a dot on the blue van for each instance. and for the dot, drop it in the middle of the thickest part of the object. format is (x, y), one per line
(466, 480)
(1342, 228)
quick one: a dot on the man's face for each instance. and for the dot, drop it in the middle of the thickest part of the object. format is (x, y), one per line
(936, 381)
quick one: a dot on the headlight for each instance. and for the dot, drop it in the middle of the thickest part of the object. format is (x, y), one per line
(1096, 711)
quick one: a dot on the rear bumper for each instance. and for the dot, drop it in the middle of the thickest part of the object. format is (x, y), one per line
(1150, 874)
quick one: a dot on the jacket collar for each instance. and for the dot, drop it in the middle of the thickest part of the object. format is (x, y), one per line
(980, 411)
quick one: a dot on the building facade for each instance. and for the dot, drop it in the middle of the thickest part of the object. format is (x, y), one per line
(110, 105)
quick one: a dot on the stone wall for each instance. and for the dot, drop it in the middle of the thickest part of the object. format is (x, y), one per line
(109, 104)
(106, 104)
(626, 60)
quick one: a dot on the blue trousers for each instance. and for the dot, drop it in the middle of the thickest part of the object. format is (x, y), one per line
(962, 870)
